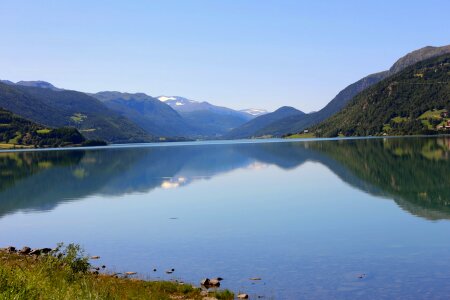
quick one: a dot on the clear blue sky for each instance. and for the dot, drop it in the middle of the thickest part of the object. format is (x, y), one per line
(236, 53)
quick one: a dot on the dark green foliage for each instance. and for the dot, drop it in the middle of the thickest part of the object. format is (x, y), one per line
(72, 257)
(61, 136)
(417, 89)
(413, 171)
(18, 131)
(92, 143)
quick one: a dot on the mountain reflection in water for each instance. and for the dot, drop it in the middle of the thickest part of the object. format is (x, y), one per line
(411, 171)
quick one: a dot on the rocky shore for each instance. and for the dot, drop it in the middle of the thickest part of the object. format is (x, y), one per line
(65, 272)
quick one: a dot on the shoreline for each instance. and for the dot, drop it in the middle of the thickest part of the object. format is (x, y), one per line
(43, 273)
(215, 142)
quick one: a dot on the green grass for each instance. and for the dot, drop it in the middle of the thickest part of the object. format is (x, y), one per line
(78, 118)
(308, 135)
(426, 123)
(88, 130)
(15, 140)
(43, 131)
(6, 146)
(435, 114)
(432, 114)
(387, 127)
(399, 119)
(66, 274)
(13, 146)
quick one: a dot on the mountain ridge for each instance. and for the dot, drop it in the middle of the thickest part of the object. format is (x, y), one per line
(299, 123)
(70, 108)
(255, 125)
(415, 100)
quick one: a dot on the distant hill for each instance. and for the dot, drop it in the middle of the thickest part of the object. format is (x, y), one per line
(414, 101)
(208, 119)
(16, 131)
(155, 117)
(39, 84)
(59, 108)
(301, 122)
(254, 127)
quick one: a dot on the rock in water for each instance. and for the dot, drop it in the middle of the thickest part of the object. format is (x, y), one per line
(242, 296)
(214, 282)
(205, 282)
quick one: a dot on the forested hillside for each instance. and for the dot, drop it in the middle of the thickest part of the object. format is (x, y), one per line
(414, 101)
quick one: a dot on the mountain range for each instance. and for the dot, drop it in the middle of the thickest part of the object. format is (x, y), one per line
(252, 128)
(60, 108)
(210, 120)
(118, 117)
(298, 123)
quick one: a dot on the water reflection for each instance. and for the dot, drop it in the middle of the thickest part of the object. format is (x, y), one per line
(411, 171)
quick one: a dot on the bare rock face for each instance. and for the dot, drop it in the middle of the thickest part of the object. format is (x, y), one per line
(416, 56)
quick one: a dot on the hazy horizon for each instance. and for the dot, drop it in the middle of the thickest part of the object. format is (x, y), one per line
(241, 55)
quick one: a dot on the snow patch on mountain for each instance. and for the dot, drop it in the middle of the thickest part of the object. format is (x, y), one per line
(254, 111)
(165, 98)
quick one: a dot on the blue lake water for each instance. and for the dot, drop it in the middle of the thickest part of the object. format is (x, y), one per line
(307, 217)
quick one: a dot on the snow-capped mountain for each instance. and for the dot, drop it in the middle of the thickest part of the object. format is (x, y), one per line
(184, 105)
(181, 104)
(213, 120)
(254, 111)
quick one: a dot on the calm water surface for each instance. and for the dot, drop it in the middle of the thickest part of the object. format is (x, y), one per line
(307, 217)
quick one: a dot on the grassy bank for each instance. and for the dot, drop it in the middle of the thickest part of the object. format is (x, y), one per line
(67, 274)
